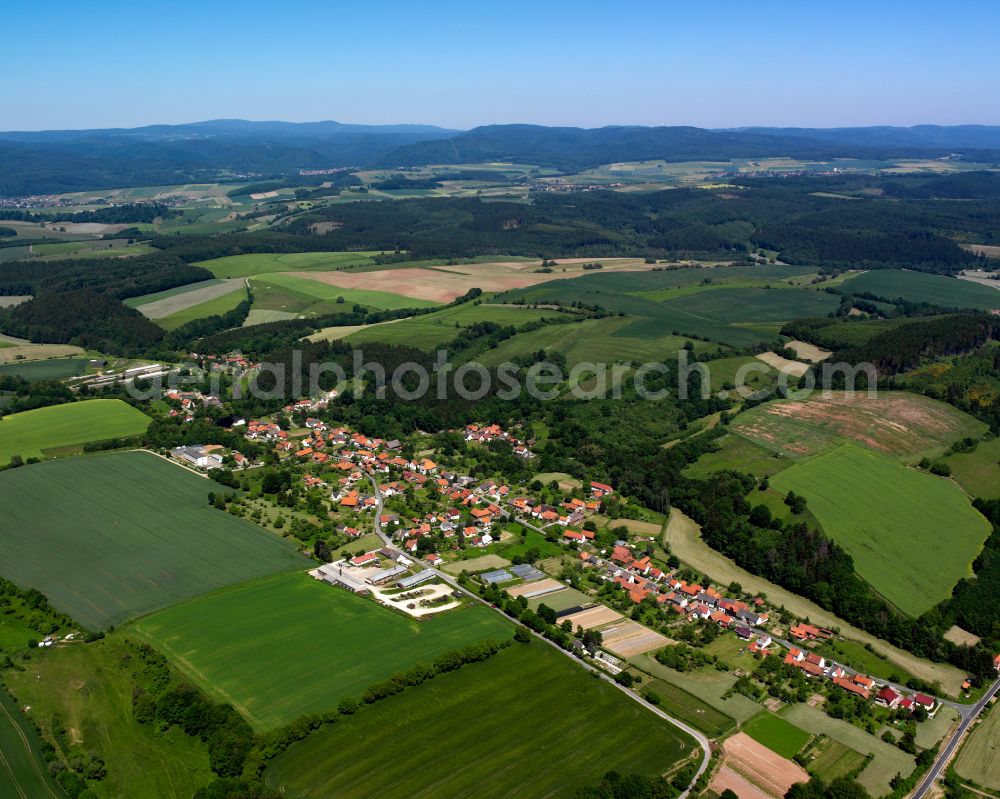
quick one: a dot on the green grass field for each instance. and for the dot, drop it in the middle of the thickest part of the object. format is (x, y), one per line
(978, 758)
(887, 762)
(736, 452)
(287, 645)
(51, 369)
(891, 520)
(947, 292)
(87, 689)
(978, 472)
(276, 291)
(110, 537)
(687, 707)
(435, 329)
(203, 310)
(778, 735)
(30, 433)
(145, 299)
(23, 771)
(257, 263)
(896, 423)
(830, 759)
(462, 735)
(708, 685)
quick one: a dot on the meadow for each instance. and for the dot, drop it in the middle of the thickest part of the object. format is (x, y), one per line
(87, 690)
(830, 759)
(23, 771)
(947, 292)
(894, 423)
(301, 295)
(565, 730)
(687, 707)
(736, 452)
(31, 433)
(287, 645)
(891, 520)
(51, 369)
(888, 760)
(202, 310)
(778, 735)
(977, 759)
(258, 263)
(435, 329)
(146, 299)
(110, 537)
(978, 472)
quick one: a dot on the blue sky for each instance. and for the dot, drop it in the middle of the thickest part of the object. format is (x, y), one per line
(712, 63)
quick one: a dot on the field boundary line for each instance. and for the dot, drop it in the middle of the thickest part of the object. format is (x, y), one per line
(31, 755)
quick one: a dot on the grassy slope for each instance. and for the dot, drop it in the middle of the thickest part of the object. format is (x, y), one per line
(948, 292)
(256, 263)
(203, 310)
(899, 424)
(890, 519)
(321, 291)
(978, 472)
(287, 645)
(52, 369)
(89, 688)
(563, 732)
(435, 329)
(29, 433)
(110, 537)
(977, 759)
(23, 770)
(145, 299)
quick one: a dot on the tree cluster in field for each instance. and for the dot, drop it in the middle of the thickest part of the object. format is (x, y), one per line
(637, 786)
(30, 607)
(112, 215)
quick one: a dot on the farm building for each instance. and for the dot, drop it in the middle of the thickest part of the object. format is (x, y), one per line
(335, 575)
(385, 575)
(417, 579)
(203, 457)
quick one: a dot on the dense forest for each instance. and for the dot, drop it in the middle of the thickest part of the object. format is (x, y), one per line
(112, 215)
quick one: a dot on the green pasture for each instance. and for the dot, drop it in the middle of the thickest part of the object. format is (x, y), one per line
(203, 310)
(777, 734)
(892, 520)
(23, 770)
(563, 732)
(30, 433)
(110, 537)
(288, 645)
(941, 290)
(259, 263)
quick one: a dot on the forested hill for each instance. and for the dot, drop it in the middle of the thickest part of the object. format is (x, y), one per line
(43, 162)
(579, 148)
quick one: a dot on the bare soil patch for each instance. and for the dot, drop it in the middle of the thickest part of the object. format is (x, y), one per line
(593, 617)
(794, 368)
(547, 586)
(768, 771)
(957, 635)
(630, 638)
(738, 784)
(809, 351)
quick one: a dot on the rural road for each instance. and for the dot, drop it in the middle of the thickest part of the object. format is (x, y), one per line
(702, 741)
(971, 712)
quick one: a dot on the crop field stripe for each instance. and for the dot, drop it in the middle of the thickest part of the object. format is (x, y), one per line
(888, 518)
(780, 736)
(564, 730)
(236, 642)
(22, 768)
(29, 433)
(110, 537)
(947, 292)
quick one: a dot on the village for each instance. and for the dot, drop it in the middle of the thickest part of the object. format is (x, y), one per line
(438, 523)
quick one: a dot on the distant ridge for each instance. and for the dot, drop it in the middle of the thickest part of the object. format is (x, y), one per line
(42, 162)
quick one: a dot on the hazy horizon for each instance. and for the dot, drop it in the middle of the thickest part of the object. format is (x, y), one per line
(456, 66)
